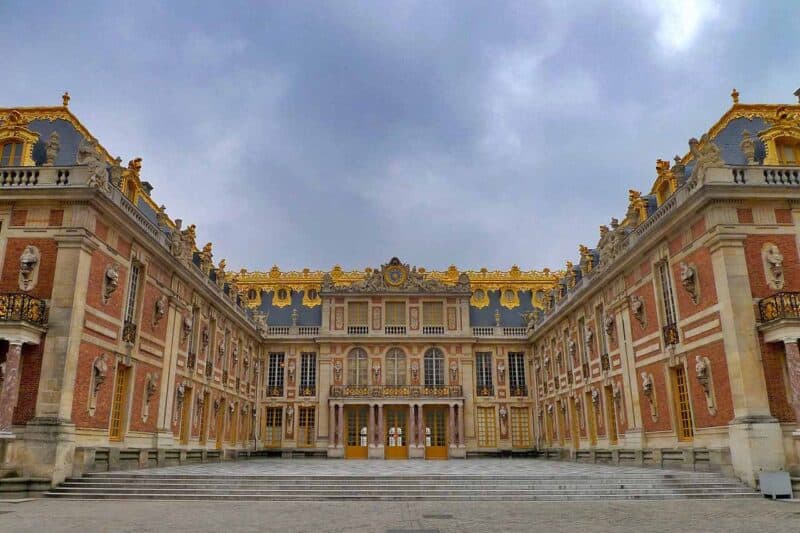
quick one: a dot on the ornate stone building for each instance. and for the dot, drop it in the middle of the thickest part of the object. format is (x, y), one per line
(673, 340)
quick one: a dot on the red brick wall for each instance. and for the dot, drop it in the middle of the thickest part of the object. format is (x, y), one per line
(722, 388)
(29, 381)
(151, 294)
(56, 217)
(83, 379)
(136, 423)
(19, 217)
(647, 293)
(47, 266)
(773, 359)
(701, 259)
(783, 216)
(97, 273)
(664, 422)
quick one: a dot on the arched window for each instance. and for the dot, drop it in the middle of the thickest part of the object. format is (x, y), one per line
(357, 367)
(11, 154)
(434, 368)
(396, 367)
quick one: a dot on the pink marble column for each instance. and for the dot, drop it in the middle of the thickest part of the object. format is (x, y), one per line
(420, 427)
(340, 433)
(332, 427)
(793, 366)
(10, 393)
(381, 430)
(411, 432)
(451, 423)
(461, 426)
(371, 439)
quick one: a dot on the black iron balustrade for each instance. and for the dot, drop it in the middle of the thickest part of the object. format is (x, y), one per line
(129, 332)
(20, 307)
(485, 390)
(779, 305)
(519, 391)
(671, 334)
(396, 391)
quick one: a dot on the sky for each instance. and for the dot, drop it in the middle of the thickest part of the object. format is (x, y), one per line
(480, 134)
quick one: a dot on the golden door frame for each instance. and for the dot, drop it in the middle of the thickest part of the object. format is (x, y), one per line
(395, 440)
(356, 431)
(436, 434)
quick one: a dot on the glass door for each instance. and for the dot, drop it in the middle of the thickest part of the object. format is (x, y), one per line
(435, 431)
(396, 438)
(357, 439)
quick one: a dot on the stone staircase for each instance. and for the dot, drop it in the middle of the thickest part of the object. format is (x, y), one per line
(644, 485)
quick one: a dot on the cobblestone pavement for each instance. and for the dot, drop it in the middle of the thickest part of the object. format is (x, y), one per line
(55, 516)
(339, 467)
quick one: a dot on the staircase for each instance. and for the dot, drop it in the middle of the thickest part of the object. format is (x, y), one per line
(644, 485)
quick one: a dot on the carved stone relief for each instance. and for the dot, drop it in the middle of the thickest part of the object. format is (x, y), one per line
(29, 267)
(690, 282)
(638, 311)
(649, 393)
(773, 266)
(160, 309)
(52, 148)
(99, 373)
(702, 370)
(110, 281)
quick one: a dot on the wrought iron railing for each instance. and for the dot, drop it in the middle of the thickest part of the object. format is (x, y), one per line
(20, 307)
(779, 305)
(519, 391)
(396, 391)
(129, 332)
(485, 390)
(671, 334)
(274, 392)
(308, 390)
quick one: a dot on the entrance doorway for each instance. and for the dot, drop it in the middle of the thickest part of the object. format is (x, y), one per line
(356, 444)
(435, 432)
(396, 438)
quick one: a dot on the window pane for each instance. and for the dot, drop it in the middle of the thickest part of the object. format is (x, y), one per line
(357, 313)
(395, 313)
(432, 314)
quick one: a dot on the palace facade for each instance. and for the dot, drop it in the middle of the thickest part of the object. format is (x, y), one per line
(671, 341)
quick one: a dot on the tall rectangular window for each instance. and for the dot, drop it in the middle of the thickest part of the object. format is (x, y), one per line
(601, 331)
(11, 154)
(119, 404)
(395, 313)
(432, 314)
(273, 427)
(133, 289)
(357, 314)
(667, 296)
(193, 333)
(582, 348)
(308, 374)
(520, 427)
(487, 431)
(275, 375)
(305, 429)
(516, 374)
(226, 342)
(565, 350)
(483, 373)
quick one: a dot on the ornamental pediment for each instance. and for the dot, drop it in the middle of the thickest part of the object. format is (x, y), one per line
(397, 277)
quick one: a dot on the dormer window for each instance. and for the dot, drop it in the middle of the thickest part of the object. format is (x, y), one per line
(788, 151)
(11, 154)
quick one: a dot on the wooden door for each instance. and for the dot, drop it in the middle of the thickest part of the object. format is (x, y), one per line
(396, 438)
(356, 444)
(435, 431)
(186, 415)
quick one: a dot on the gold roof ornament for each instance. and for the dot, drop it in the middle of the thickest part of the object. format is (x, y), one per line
(735, 96)
(65, 98)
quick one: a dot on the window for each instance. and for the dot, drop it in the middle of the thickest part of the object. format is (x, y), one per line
(582, 348)
(119, 403)
(204, 417)
(434, 368)
(133, 289)
(11, 154)
(308, 374)
(432, 314)
(483, 373)
(487, 430)
(573, 357)
(683, 410)
(601, 330)
(275, 375)
(520, 428)
(395, 313)
(396, 367)
(357, 314)
(273, 426)
(193, 333)
(667, 299)
(305, 430)
(516, 374)
(788, 151)
(226, 342)
(357, 367)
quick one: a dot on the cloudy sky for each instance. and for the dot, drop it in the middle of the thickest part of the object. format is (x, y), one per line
(308, 134)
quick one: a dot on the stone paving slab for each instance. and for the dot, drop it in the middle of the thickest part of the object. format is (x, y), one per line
(56, 516)
(341, 467)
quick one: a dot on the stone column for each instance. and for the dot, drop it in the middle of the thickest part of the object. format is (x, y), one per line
(381, 429)
(340, 437)
(10, 392)
(332, 426)
(461, 426)
(411, 429)
(420, 427)
(451, 425)
(793, 366)
(372, 441)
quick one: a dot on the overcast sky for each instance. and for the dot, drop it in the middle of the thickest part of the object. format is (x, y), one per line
(308, 134)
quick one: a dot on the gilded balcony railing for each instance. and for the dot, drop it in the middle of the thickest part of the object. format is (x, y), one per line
(485, 390)
(395, 391)
(275, 391)
(20, 307)
(308, 390)
(671, 334)
(519, 391)
(129, 332)
(779, 305)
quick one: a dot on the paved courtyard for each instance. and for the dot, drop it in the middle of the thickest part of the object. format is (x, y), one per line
(55, 516)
